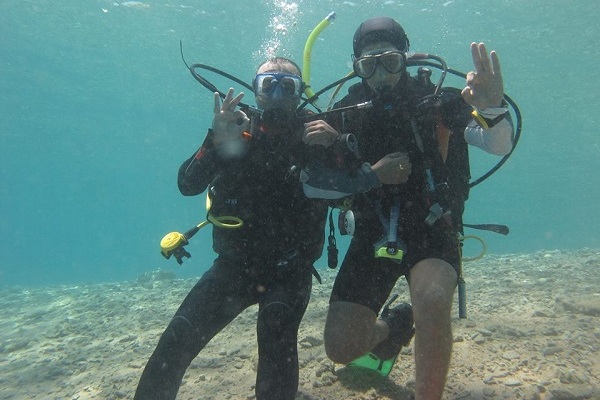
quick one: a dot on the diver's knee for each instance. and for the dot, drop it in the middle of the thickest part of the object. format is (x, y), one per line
(180, 334)
(337, 352)
(338, 344)
(275, 318)
(435, 299)
(432, 286)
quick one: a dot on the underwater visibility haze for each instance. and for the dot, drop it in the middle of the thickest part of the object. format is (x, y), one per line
(98, 111)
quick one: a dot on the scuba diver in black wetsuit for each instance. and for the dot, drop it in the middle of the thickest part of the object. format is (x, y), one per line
(249, 171)
(410, 183)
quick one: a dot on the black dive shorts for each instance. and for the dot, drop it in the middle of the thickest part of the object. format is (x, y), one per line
(366, 280)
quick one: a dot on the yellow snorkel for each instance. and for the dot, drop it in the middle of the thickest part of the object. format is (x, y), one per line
(307, 54)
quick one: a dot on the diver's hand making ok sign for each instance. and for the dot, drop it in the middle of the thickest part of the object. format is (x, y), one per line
(229, 123)
(484, 87)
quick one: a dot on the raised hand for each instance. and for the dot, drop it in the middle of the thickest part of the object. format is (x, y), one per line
(228, 123)
(484, 87)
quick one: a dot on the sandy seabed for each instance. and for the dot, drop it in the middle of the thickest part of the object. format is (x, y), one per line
(532, 332)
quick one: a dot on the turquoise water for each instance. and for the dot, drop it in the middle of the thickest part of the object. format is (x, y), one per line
(97, 112)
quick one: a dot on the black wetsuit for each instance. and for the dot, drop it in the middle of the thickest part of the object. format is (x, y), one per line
(268, 261)
(389, 126)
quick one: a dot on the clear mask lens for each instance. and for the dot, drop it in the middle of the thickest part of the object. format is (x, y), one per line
(284, 85)
(392, 62)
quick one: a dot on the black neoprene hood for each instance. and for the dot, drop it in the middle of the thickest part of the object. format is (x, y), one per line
(379, 29)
